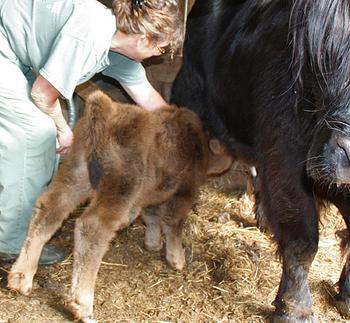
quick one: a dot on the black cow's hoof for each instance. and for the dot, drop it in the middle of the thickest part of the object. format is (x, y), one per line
(343, 306)
(279, 317)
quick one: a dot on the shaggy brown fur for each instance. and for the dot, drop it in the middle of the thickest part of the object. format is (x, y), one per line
(124, 159)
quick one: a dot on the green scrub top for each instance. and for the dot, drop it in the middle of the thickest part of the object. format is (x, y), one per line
(66, 41)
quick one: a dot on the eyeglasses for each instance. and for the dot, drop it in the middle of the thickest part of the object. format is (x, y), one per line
(161, 50)
(138, 4)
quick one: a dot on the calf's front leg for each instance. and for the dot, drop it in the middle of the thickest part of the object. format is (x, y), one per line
(173, 218)
(151, 218)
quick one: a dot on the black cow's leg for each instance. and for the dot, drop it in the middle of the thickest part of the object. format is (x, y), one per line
(342, 299)
(293, 220)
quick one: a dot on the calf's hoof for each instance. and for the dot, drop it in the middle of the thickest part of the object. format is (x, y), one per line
(20, 282)
(343, 306)
(152, 245)
(281, 317)
(176, 260)
(88, 320)
(81, 312)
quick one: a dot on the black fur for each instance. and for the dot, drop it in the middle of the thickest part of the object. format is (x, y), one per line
(270, 79)
(95, 172)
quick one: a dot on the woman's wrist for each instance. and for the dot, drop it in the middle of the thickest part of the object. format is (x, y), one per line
(54, 111)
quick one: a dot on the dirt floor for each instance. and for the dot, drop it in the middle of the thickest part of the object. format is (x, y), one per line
(231, 275)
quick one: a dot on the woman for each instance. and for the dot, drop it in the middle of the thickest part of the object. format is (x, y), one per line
(46, 49)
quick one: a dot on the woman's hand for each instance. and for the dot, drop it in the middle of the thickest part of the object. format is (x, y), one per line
(65, 140)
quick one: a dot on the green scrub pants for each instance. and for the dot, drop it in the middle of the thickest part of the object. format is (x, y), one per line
(27, 153)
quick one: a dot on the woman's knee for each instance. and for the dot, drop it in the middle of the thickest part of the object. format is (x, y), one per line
(12, 146)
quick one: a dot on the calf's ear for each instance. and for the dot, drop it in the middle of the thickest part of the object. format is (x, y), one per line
(220, 160)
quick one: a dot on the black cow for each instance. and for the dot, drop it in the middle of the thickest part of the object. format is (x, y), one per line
(270, 78)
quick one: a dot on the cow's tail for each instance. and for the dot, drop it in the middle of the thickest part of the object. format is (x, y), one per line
(98, 110)
(320, 32)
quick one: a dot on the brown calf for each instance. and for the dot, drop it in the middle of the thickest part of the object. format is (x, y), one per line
(123, 159)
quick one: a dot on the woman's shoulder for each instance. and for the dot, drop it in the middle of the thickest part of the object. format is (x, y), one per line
(90, 21)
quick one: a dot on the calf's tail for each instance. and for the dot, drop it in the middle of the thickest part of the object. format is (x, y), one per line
(98, 110)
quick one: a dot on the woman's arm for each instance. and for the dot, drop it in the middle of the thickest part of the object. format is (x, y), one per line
(145, 95)
(45, 97)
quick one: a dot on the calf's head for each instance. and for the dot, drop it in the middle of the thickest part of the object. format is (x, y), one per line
(220, 160)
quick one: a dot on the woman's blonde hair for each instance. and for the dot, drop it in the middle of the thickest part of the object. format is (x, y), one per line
(159, 20)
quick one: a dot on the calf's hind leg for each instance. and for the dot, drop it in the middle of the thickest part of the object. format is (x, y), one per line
(93, 232)
(68, 190)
